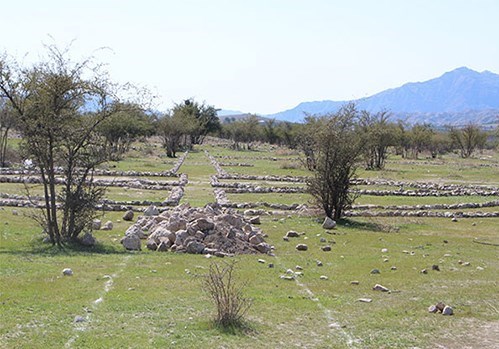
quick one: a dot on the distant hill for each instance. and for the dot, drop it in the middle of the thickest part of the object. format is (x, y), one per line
(455, 98)
(225, 112)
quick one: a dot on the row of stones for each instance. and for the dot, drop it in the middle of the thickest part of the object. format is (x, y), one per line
(436, 214)
(100, 172)
(248, 188)
(173, 199)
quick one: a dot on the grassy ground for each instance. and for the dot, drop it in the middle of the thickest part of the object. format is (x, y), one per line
(155, 300)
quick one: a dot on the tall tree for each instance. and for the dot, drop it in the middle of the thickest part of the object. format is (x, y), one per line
(49, 99)
(202, 118)
(467, 139)
(338, 146)
(7, 120)
(379, 134)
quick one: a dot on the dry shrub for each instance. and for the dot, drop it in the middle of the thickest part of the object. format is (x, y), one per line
(227, 295)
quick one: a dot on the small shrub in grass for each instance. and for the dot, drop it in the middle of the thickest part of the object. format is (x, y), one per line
(227, 295)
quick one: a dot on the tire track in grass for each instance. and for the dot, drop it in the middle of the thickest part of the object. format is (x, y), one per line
(333, 324)
(82, 325)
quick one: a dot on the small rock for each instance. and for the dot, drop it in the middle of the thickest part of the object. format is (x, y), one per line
(435, 267)
(355, 282)
(446, 241)
(301, 247)
(79, 319)
(255, 220)
(319, 264)
(131, 242)
(271, 265)
(454, 219)
(107, 226)
(479, 268)
(261, 261)
(287, 277)
(128, 216)
(440, 306)
(466, 264)
(323, 240)
(292, 234)
(15, 213)
(326, 248)
(328, 224)
(375, 271)
(386, 260)
(96, 224)
(67, 272)
(432, 309)
(393, 268)
(285, 238)
(384, 250)
(323, 277)
(424, 271)
(151, 211)
(87, 239)
(381, 288)
(298, 267)
(365, 300)
(447, 310)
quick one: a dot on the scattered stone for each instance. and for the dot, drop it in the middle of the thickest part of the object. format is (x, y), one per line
(128, 216)
(271, 265)
(96, 224)
(365, 300)
(326, 248)
(108, 226)
(328, 224)
(466, 264)
(298, 267)
(384, 250)
(67, 272)
(261, 261)
(323, 277)
(87, 239)
(301, 247)
(440, 306)
(292, 234)
(263, 247)
(435, 267)
(79, 318)
(375, 271)
(424, 271)
(446, 241)
(287, 277)
(432, 309)
(15, 213)
(454, 219)
(319, 264)
(381, 288)
(479, 268)
(386, 260)
(393, 268)
(323, 240)
(447, 310)
(355, 282)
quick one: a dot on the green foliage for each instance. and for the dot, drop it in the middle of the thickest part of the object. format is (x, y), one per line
(48, 98)
(124, 127)
(337, 146)
(467, 139)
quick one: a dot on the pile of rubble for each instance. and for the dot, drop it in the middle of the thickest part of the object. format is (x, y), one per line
(210, 230)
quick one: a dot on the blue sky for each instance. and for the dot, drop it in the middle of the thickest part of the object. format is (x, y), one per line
(262, 56)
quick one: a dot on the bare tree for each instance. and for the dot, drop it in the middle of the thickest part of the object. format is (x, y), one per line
(7, 120)
(379, 134)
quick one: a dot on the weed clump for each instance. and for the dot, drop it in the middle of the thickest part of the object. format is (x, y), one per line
(227, 295)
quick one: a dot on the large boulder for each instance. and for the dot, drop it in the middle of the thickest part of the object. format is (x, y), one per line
(195, 247)
(135, 230)
(107, 226)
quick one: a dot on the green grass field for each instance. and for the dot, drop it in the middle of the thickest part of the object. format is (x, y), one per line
(155, 300)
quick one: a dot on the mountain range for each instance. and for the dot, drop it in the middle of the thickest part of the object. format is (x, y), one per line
(457, 97)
